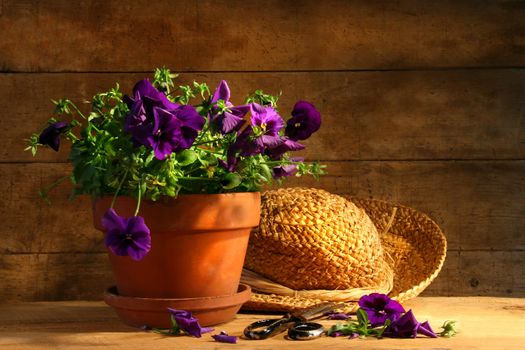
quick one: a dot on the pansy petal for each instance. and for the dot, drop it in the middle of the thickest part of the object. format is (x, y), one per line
(225, 338)
(393, 306)
(221, 93)
(231, 122)
(425, 329)
(112, 221)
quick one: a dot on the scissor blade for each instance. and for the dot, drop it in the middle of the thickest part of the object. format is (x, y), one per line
(315, 311)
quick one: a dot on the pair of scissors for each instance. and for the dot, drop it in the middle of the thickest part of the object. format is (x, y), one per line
(296, 323)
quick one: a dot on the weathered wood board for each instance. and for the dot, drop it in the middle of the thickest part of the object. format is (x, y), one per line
(465, 114)
(259, 35)
(84, 276)
(85, 325)
(422, 104)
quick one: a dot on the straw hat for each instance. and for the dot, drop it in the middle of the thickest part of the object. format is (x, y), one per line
(313, 246)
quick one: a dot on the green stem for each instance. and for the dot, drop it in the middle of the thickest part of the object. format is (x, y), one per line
(198, 178)
(118, 188)
(139, 200)
(78, 110)
(43, 192)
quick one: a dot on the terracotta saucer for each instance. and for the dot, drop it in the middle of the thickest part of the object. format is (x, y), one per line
(138, 312)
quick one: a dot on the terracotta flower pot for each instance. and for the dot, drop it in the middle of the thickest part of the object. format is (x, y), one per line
(198, 244)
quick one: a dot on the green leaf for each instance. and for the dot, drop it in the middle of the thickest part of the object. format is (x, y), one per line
(231, 180)
(186, 157)
(449, 329)
(362, 317)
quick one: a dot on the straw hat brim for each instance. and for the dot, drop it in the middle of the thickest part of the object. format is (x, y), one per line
(414, 243)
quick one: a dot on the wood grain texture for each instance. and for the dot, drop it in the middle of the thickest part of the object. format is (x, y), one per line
(54, 276)
(465, 114)
(85, 325)
(478, 205)
(259, 35)
(83, 276)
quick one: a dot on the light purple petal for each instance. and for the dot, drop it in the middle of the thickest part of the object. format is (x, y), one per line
(221, 93)
(338, 316)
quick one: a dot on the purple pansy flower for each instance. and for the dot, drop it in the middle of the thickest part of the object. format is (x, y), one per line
(51, 135)
(231, 120)
(284, 170)
(186, 322)
(140, 120)
(379, 308)
(126, 237)
(159, 124)
(408, 327)
(167, 136)
(269, 122)
(304, 122)
(284, 145)
(223, 337)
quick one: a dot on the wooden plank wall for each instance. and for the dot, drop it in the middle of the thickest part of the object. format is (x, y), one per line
(422, 104)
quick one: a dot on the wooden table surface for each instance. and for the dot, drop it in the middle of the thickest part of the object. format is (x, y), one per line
(484, 323)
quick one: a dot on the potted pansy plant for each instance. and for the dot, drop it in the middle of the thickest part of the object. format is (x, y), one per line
(175, 176)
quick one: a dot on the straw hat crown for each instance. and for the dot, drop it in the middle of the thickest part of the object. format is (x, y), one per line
(310, 239)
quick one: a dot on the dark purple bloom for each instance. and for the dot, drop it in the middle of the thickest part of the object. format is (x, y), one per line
(380, 308)
(186, 322)
(284, 145)
(408, 327)
(140, 120)
(231, 119)
(126, 237)
(304, 122)
(223, 337)
(159, 124)
(167, 136)
(51, 135)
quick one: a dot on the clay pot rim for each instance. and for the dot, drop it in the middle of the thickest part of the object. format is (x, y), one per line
(164, 199)
(191, 304)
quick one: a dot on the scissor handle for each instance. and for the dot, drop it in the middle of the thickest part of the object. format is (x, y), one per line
(269, 327)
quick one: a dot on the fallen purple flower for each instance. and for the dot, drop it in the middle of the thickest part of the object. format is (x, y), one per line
(186, 322)
(380, 308)
(408, 327)
(223, 337)
(336, 334)
(338, 316)
(353, 336)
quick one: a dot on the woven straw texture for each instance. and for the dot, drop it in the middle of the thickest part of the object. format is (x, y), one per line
(313, 246)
